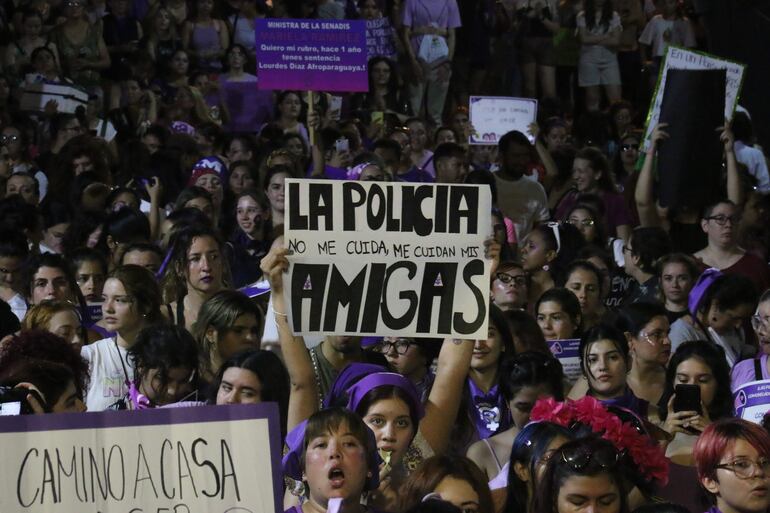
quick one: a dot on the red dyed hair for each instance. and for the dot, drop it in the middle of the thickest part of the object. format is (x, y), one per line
(717, 439)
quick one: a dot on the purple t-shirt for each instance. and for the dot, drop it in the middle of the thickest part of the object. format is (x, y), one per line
(744, 372)
(616, 212)
(422, 13)
(415, 175)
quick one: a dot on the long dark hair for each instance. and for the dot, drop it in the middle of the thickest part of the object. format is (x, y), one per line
(590, 14)
(528, 449)
(713, 356)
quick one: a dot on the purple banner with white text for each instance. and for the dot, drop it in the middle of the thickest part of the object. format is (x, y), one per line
(311, 55)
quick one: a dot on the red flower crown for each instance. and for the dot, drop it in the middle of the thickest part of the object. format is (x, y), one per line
(646, 454)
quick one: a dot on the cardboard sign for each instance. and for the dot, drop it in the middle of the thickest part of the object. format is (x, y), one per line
(380, 38)
(387, 259)
(205, 459)
(311, 55)
(494, 116)
(34, 97)
(567, 351)
(682, 58)
(752, 400)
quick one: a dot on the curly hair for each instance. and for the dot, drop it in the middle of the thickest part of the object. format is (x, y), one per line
(42, 345)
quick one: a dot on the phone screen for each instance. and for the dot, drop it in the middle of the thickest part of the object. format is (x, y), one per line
(11, 408)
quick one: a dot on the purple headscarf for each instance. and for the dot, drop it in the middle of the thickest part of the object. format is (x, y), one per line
(357, 392)
(699, 290)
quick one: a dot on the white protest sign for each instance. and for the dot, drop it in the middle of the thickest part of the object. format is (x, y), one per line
(206, 459)
(494, 116)
(682, 58)
(387, 259)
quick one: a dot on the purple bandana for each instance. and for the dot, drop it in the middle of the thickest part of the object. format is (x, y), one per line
(357, 392)
(489, 411)
(699, 290)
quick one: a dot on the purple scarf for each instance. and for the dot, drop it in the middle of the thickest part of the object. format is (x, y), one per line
(489, 411)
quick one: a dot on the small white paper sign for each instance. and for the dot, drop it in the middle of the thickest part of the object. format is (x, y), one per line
(682, 58)
(494, 116)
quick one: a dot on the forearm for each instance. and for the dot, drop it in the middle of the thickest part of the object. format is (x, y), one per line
(451, 40)
(734, 189)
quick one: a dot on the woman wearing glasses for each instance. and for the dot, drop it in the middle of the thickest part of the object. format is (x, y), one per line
(732, 458)
(645, 326)
(586, 219)
(412, 358)
(720, 223)
(583, 475)
(756, 369)
(510, 287)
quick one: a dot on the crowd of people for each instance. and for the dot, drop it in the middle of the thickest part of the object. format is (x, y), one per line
(142, 255)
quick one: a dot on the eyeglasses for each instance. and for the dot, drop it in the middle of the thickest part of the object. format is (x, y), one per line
(656, 337)
(5, 139)
(579, 457)
(555, 229)
(627, 147)
(721, 220)
(579, 222)
(760, 323)
(746, 469)
(518, 281)
(400, 346)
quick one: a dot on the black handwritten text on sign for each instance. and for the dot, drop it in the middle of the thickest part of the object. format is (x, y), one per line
(387, 258)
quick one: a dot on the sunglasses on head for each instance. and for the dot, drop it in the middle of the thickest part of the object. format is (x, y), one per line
(579, 457)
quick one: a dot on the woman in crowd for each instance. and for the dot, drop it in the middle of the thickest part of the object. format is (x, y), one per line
(719, 305)
(732, 458)
(755, 369)
(58, 317)
(703, 364)
(583, 474)
(163, 39)
(510, 286)
(412, 358)
(46, 277)
(591, 173)
(584, 280)
(243, 176)
(546, 252)
(646, 328)
(677, 273)
(274, 189)
(453, 479)
(558, 314)
(605, 362)
(526, 332)
(586, 219)
(290, 110)
(90, 269)
(252, 238)
(131, 301)
(533, 447)
(196, 271)
(335, 454)
(524, 379)
(228, 323)
(205, 38)
(48, 363)
(81, 46)
(165, 361)
(250, 377)
(599, 35)
(121, 228)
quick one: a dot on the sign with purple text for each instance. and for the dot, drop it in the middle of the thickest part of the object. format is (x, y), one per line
(752, 400)
(567, 351)
(200, 459)
(312, 55)
(493, 116)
